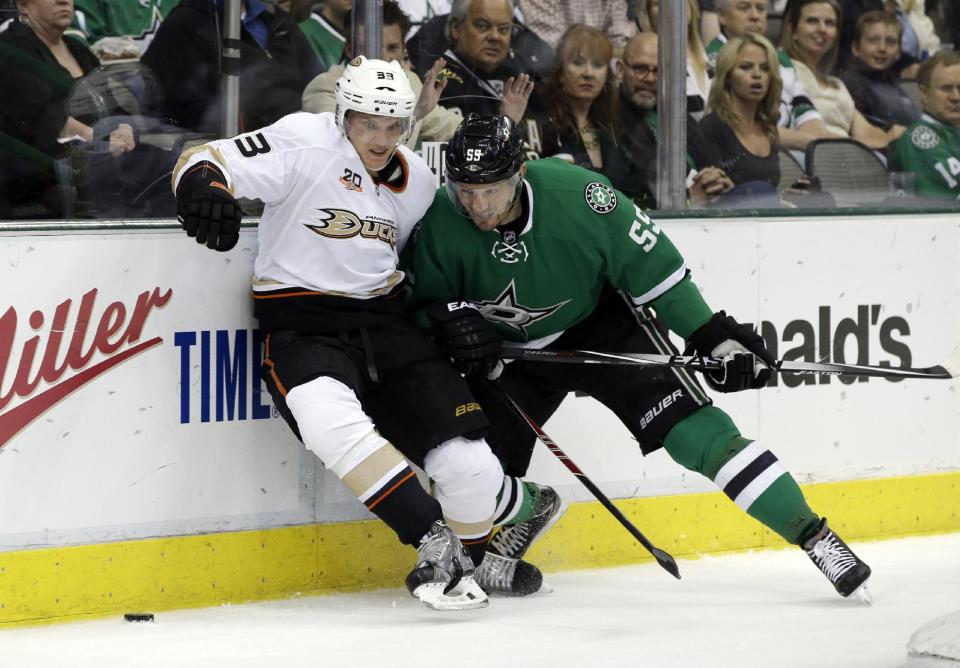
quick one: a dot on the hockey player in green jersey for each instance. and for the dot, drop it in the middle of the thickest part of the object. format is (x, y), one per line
(553, 257)
(930, 148)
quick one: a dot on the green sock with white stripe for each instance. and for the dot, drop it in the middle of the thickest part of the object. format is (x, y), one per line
(515, 502)
(708, 442)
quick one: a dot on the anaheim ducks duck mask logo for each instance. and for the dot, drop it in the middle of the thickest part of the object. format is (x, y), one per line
(342, 224)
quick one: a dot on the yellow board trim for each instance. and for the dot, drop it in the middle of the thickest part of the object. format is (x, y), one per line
(78, 582)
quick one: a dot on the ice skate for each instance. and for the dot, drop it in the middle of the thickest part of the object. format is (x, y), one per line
(504, 576)
(846, 572)
(514, 541)
(443, 578)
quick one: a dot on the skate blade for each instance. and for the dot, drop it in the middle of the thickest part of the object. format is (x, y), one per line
(862, 595)
(544, 589)
(467, 595)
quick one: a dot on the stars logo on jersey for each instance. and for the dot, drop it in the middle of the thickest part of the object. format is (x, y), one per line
(508, 250)
(600, 198)
(924, 137)
(506, 310)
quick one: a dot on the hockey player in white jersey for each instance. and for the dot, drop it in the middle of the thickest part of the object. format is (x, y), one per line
(341, 197)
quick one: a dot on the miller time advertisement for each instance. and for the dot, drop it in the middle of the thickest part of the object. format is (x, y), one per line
(131, 403)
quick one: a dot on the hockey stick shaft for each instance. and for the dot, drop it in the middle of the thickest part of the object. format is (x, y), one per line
(696, 363)
(663, 558)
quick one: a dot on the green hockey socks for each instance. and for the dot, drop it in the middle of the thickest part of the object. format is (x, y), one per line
(708, 442)
(515, 502)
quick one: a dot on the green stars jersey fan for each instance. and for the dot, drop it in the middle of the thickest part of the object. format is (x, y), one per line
(539, 277)
(95, 19)
(325, 40)
(931, 150)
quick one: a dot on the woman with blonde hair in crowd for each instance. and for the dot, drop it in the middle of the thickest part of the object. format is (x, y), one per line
(741, 123)
(579, 121)
(698, 74)
(810, 35)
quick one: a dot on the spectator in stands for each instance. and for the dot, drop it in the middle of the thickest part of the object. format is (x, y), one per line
(709, 21)
(527, 52)
(851, 11)
(476, 69)
(433, 124)
(918, 38)
(928, 42)
(810, 33)
(579, 123)
(930, 148)
(698, 76)
(116, 29)
(871, 76)
(550, 19)
(637, 71)
(327, 30)
(277, 63)
(39, 68)
(740, 128)
(799, 122)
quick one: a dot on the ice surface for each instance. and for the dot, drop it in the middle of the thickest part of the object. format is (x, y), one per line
(745, 610)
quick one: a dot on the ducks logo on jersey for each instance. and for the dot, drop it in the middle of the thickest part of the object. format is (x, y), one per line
(342, 224)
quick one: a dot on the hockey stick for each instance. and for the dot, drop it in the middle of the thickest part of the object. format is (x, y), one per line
(664, 559)
(950, 368)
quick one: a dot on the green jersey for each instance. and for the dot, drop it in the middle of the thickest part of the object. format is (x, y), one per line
(578, 235)
(931, 150)
(325, 40)
(95, 19)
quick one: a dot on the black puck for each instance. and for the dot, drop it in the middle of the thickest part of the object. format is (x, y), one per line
(138, 617)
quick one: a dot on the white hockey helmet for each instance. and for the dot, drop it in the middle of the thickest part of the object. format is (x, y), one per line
(374, 87)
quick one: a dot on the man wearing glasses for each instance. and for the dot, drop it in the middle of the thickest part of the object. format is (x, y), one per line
(477, 78)
(638, 122)
(930, 148)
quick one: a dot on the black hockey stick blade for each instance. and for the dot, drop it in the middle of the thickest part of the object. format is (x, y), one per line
(664, 559)
(950, 369)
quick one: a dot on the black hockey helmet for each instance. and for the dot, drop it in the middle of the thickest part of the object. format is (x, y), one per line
(484, 149)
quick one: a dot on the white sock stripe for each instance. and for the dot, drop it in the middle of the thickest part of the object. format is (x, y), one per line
(739, 462)
(514, 509)
(508, 494)
(759, 485)
(378, 485)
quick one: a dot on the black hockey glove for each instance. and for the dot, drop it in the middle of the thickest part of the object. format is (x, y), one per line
(206, 209)
(745, 357)
(471, 343)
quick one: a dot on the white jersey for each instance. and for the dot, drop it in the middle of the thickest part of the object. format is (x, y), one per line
(327, 226)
